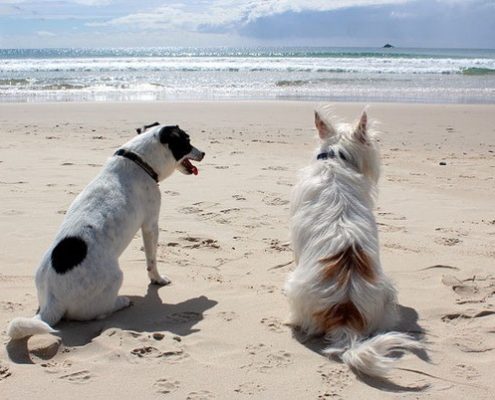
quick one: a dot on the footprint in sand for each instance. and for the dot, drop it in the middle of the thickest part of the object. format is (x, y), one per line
(468, 341)
(228, 315)
(382, 227)
(55, 367)
(146, 351)
(468, 325)
(171, 193)
(467, 372)
(273, 324)
(198, 207)
(196, 243)
(397, 246)
(183, 317)
(285, 182)
(250, 388)
(4, 372)
(274, 168)
(152, 352)
(166, 386)
(476, 289)
(448, 241)
(189, 210)
(266, 289)
(10, 306)
(277, 359)
(335, 377)
(391, 216)
(468, 314)
(396, 178)
(277, 245)
(200, 395)
(272, 199)
(264, 359)
(78, 377)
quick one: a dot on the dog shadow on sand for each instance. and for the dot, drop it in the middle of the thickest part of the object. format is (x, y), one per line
(146, 314)
(408, 324)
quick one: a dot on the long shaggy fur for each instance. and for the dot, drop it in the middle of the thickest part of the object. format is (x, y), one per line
(338, 288)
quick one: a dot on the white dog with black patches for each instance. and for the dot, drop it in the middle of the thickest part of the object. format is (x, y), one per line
(338, 288)
(79, 277)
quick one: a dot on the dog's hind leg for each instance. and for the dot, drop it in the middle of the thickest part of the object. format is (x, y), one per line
(150, 239)
(103, 300)
(51, 312)
(109, 301)
(121, 302)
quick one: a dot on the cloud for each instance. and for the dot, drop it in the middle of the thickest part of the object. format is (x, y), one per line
(203, 16)
(430, 23)
(401, 15)
(45, 34)
(59, 2)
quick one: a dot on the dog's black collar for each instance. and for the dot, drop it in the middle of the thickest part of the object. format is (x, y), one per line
(139, 161)
(326, 155)
(332, 155)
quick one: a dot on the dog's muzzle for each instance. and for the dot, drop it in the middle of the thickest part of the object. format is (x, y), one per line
(186, 167)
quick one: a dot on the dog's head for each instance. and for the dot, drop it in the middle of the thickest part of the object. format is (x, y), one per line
(354, 146)
(179, 144)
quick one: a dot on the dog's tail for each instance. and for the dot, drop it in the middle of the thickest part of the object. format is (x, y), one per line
(373, 357)
(23, 327)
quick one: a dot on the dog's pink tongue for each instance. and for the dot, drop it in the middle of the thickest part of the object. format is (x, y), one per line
(194, 170)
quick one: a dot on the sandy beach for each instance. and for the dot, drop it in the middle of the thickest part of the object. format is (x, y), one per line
(217, 331)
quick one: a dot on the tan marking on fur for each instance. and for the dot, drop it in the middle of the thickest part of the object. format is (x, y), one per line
(342, 265)
(340, 315)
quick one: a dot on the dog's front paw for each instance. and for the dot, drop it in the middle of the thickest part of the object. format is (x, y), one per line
(160, 280)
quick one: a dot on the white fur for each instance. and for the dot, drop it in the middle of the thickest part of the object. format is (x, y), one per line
(331, 210)
(107, 214)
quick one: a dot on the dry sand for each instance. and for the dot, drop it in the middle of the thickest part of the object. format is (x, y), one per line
(217, 332)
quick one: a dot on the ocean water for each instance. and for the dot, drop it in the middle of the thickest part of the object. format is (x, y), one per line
(326, 74)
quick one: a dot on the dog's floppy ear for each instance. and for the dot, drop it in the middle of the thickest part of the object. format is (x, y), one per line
(325, 130)
(361, 130)
(167, 132)
(146, 127)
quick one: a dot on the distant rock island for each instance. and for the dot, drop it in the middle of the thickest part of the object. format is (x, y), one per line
(388, 46)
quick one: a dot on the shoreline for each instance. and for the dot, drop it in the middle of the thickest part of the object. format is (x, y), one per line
(240, 101)
(281, 99)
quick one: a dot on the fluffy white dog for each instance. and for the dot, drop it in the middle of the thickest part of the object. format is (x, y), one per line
(79, 276)
(338, 288)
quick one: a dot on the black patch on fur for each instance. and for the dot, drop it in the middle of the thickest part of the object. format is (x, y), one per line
(68, 254)
(177, 140)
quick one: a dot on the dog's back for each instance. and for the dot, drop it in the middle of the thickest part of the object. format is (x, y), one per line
(338, 288)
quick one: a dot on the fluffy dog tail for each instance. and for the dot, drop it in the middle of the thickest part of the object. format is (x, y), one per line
(372, 357)
(23, 327)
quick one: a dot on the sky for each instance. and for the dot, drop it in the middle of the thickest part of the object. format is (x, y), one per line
(202, 23)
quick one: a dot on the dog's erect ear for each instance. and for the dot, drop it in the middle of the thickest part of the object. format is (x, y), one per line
(146, 127)
(361, 131)
(325, 130)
